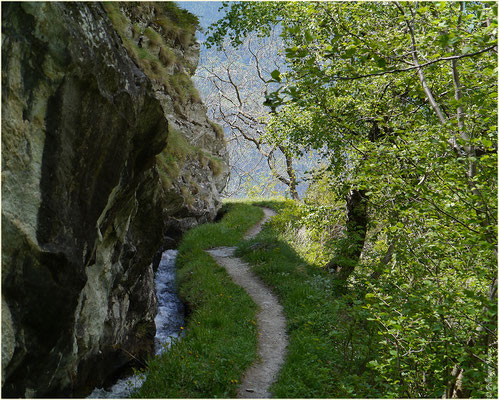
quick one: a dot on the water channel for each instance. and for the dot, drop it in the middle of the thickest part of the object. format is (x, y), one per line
(168, 321)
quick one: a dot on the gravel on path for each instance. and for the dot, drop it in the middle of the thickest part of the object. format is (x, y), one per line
(271, 324)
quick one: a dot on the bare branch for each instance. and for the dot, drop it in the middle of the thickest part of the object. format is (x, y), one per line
(258, 69)
(236, 88)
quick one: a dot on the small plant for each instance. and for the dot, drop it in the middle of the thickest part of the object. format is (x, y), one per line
(166, 56)
(153, 36)
(216, 166)
(184, 88)
(219, 132)
(180, 17)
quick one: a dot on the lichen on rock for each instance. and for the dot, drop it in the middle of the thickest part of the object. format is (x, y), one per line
(107, 157)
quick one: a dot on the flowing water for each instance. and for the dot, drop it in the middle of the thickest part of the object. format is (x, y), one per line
(168, 321)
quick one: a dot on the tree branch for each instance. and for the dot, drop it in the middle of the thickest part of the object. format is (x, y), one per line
(422, 79)
(394, 71)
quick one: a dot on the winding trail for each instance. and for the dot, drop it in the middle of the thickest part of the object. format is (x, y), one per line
(271, 324)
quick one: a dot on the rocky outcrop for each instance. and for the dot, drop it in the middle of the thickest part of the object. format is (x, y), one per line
(107, 157)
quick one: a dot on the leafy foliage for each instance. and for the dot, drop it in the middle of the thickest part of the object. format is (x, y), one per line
(402, 99)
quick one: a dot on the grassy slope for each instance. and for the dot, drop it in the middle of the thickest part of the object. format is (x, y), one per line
(330, 341)
(220, 333)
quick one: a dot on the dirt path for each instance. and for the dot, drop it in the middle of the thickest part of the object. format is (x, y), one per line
(272, 339)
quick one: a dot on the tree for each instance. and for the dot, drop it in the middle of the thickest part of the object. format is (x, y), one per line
(239, 81)
(402, 98)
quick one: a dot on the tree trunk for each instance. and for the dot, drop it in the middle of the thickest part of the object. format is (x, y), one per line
(356, 227)
(292, 177)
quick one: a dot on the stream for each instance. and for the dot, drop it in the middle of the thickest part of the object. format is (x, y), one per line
(168, 321)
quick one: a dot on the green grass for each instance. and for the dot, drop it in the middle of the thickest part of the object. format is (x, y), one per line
(219, 132)
(220, 333)
(330, 339)
(176, 152)
(178, 16)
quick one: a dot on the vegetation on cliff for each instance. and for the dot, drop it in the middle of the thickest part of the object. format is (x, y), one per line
(152, 45)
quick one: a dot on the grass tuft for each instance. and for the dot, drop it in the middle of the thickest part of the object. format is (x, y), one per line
(216, 166)
(219, 132)
(184, 88)
(172, 27)
(178, 16)
(153, 36)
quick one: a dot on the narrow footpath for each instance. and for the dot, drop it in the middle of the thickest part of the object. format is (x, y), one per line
(272, 338)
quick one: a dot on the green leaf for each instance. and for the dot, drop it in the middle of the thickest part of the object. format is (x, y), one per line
(487, 142)
(349, 53)
(381, 62)
(275, 74)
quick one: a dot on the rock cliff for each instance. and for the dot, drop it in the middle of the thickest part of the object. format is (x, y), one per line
(107, 157)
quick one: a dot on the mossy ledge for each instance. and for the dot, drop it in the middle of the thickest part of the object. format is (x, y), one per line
(157, 43)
